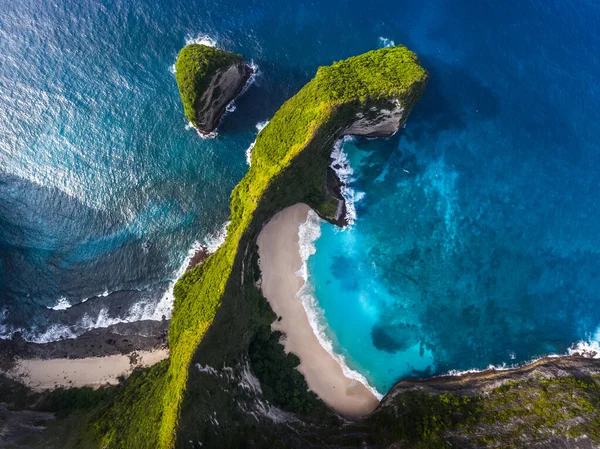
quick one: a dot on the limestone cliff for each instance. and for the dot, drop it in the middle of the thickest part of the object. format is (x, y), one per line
(208, 80)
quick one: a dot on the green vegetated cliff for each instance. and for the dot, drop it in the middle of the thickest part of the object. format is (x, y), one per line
(208, 79)
(289, 165)
(228, 382)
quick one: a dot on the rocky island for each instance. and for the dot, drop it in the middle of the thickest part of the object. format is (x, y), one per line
(228, 381)
(208, 79)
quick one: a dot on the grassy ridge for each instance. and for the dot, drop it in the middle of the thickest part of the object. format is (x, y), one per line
(195, 66)
(314, 117)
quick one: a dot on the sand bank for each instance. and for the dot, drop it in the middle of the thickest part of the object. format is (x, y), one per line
(41, 374)
(280, 260)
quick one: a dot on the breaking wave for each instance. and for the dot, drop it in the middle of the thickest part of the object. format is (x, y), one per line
(202, 39)
(385, 42)
(259, 127)
(589, 348)
(341, 165)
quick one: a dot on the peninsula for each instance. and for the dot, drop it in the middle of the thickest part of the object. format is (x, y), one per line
(228, 382)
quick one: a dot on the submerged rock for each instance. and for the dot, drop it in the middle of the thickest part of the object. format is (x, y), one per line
(208, 79)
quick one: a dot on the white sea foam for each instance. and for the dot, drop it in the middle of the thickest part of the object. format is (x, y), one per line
(308, 233)
(385, 42)
(341, 165)
(202, 39)
(164, 307)
(210, 135)
(253, 77)
(589, 347)
(213, 241)
(455, 372)
(61, 331)
(143, 310)
(231, 107)
(61, 304)
(259, 127)
(205, 39)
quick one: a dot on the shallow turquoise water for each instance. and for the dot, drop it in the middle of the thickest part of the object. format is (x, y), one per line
(454, 263)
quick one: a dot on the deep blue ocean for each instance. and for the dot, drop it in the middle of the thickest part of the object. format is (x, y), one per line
(476, 238)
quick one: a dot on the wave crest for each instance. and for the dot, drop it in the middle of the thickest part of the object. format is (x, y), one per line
(344, 171)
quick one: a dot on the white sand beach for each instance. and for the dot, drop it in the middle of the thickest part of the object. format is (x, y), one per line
(280, 260)
(42, 375)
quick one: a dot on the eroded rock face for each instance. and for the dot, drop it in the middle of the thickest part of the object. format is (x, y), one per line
(380, 123)
(226, 84)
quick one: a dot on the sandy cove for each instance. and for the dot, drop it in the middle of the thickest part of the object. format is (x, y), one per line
(280, 261)
(47, 374)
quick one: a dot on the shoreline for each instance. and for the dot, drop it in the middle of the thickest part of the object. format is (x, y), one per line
(280, 260)
(48, 374)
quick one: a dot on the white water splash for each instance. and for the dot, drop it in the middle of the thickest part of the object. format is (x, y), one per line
(385, 42)
(259, 127)
(143, 310)
(231, 106)
(589, 348)
(164, 307)
(341, 165)
(190, 126)
(308, 233)
(202, 39)
(213, 241)
(61, 304)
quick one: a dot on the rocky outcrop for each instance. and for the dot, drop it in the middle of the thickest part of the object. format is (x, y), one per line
(208, 80)
(380, 123)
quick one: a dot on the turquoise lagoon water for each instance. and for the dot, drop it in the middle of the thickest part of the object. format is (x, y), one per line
(476, 238)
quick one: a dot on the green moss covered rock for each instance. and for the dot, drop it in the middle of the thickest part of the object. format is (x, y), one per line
(208, 79)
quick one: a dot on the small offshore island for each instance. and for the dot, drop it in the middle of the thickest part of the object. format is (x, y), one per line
(228, 381)
(208, 79)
